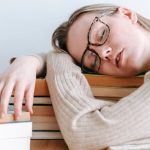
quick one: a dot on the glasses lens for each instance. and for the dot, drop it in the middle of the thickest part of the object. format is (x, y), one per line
(99, 32)
(91, 62)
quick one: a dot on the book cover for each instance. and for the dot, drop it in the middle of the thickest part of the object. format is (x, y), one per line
(15, 135)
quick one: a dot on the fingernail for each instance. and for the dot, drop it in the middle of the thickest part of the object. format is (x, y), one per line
(17, 117)
(31, 111)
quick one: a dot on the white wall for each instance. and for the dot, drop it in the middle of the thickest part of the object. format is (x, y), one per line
(26, 26)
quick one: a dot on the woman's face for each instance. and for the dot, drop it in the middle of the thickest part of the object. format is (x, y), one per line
(120, 50)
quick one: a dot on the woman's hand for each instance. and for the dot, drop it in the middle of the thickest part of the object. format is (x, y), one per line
(19, 78)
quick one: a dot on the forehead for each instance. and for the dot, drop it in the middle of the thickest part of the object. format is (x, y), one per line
(77, 35)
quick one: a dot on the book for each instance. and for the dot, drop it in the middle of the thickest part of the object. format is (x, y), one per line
(111, 91)
(107, 80)
(40, 110)
(49, 145)
(25, 116)
(15, 134)
(130, 147)
(101, 86)
(100, 82)
(42, 126)
(47, 135)
(42, 100)
(44, 123)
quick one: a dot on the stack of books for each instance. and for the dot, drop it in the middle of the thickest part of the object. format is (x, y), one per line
(104, 87)
(110, 87)
(15, 135)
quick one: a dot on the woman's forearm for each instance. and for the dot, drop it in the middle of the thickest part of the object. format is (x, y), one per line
(40, 60)
(87, 123)
(19, 78)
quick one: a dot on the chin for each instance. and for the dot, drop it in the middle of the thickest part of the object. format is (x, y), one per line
(132, 68)
(132, 72)
(126, 75)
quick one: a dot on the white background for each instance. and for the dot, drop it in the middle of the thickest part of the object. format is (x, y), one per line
(26, 26)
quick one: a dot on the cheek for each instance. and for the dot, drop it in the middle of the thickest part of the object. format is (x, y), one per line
(118, 37)
(121, 32)
(109, 69)
(125, 38)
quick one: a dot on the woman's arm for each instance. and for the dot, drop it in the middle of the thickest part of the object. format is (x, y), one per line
(87, 123)
(20, 77)
(41, 58)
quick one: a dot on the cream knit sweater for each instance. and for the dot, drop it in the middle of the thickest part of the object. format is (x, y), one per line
(87, 123)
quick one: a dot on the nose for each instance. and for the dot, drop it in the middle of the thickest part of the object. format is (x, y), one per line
(105, 52)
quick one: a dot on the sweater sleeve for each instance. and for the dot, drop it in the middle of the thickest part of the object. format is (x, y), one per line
(87, 123)
(41, 57)
(41, 72)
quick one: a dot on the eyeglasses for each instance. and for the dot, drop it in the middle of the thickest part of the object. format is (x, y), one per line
(90, 60)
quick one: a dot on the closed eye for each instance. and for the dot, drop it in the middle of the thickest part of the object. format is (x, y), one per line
(102, 35)
(94, 64)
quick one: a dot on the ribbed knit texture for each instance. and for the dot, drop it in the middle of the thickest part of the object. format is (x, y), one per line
(87, 123)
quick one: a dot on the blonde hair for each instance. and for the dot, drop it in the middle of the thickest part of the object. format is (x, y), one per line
(59, 37)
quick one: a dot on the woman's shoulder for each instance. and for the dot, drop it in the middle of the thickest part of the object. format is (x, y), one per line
(59, 55)
(61, 61)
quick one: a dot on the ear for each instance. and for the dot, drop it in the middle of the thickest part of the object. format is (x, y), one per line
(128, 13)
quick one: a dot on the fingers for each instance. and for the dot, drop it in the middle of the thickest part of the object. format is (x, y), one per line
(20, 91)
(6, 91)
(1, 84)
(18, 77)
(29, 98)
(1, 87)
(18, 99)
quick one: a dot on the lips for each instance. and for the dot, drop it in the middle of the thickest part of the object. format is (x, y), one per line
(118, 59)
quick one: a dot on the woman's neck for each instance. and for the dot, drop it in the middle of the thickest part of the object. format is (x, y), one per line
(147, 50)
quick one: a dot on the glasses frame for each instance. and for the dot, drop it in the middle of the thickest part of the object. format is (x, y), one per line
(93, 44)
